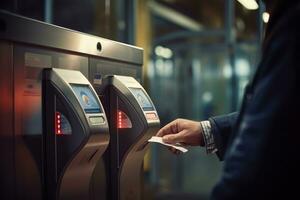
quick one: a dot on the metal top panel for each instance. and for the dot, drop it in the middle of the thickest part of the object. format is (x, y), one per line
(16, 28)
(71, 76)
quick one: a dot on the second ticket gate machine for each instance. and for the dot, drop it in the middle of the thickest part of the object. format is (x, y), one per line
(76, 134)
(133, 120)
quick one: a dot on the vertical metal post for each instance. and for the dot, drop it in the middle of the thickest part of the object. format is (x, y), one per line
(121, 22)
(131, 17)
(260, 22)
(126, 16)
(260, 29)
(231, 44)
(48, 17)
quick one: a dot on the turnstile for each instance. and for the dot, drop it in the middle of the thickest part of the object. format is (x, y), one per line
(75, 134)
(132, 121)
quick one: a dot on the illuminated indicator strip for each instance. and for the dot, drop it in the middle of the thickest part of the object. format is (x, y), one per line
(123, 120)
(119, 119)
(58, 123)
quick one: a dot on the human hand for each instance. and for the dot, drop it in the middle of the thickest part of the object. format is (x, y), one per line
(182, 131)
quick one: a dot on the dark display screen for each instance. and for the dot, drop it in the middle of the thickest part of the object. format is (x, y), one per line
(87, 99)
(142, 99)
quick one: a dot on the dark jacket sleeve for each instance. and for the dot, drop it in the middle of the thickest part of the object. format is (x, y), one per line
(262, 159)
(221, 127)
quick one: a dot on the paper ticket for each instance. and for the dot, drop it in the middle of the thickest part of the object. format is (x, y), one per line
(159, 140)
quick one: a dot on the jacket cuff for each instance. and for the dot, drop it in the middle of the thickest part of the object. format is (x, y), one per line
(208, 137)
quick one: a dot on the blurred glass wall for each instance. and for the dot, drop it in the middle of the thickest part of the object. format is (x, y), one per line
(203, 54)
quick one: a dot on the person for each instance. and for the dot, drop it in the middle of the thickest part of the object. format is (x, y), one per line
(260, 143)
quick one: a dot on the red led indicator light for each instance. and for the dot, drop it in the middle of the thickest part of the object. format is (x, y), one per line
(58, 123)
(123, 120)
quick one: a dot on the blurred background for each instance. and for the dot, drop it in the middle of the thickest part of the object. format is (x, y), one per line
(198, 57)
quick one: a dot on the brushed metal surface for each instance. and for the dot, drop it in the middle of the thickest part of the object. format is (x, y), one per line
(16, 28)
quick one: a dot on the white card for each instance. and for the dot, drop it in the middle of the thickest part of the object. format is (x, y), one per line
(159, 140)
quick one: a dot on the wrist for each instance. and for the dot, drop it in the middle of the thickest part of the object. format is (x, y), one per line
(201, 133)
(208, 138)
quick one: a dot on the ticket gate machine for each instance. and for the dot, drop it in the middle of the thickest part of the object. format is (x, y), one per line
(28, 48)
(132, 120)
(76, 134)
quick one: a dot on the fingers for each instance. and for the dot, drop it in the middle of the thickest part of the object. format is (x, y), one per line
(175, 138)
(170, 128)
